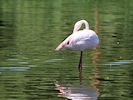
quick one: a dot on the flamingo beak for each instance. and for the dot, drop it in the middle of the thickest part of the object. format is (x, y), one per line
(60, 47)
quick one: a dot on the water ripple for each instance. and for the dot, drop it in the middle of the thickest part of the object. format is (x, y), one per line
(14, 68)
(53, 60)
(120, 62)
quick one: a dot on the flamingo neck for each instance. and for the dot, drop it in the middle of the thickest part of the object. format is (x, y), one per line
(86, 24)
(79, 24)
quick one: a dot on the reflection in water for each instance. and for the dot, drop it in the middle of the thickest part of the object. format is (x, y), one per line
(81, 92)
(77, 93)
(96, 52)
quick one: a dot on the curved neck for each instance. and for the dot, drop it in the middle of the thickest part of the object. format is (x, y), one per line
(86, 24)
(79, 24)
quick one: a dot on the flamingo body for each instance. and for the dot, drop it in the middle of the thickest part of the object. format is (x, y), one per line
(80, 40)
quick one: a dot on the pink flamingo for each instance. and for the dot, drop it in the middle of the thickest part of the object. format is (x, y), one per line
(80, 40)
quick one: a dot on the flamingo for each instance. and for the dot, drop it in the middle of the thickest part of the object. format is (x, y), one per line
(80, 40)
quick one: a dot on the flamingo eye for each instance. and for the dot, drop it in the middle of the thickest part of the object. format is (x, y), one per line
(68, 43)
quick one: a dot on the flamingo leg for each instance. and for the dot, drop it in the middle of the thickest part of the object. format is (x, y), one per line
(80, 66)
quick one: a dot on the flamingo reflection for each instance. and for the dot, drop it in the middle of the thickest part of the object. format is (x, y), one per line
(77, 93)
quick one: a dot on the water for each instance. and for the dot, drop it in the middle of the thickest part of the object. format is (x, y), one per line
(30, 68)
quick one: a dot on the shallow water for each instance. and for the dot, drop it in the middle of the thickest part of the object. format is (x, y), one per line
(30, 68)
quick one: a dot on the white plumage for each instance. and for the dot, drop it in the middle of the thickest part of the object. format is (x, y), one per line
(80, 40)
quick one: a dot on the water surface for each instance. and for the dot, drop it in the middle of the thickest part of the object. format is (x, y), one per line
(30, 68)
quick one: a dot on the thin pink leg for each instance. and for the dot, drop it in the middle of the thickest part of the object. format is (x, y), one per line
(80, 66)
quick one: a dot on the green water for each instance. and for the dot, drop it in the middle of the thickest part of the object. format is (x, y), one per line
(31, 69)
